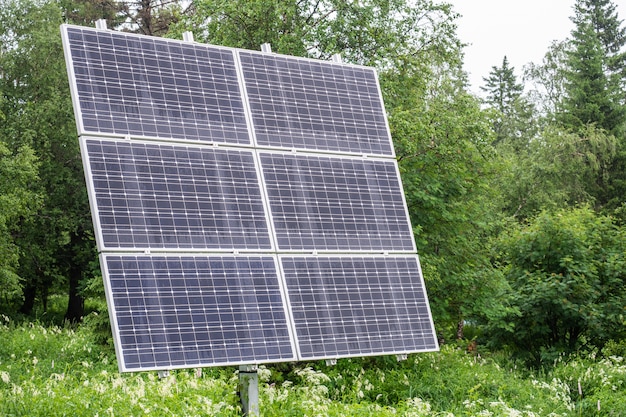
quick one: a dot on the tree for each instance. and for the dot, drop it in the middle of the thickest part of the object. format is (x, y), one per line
(502, 87)
(148, 17)
(595, 76)
(371, 32)
(39, 115)
(548, 80)
(18, 201)
(567, 272)
(513, 116)
(596, 65)
(442, 140)
(558, 169)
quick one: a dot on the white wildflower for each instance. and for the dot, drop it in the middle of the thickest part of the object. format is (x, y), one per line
(418, 407)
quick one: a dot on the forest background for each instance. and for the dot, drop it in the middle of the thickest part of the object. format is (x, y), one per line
(517, 197)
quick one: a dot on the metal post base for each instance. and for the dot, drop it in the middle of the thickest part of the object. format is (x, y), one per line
(249, 390)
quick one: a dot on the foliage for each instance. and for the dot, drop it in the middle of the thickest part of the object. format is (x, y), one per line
(558, 169)
(442, 140)
(567, 273)
(372, 32)
(18, 201)
(57, 243)
(547, 80)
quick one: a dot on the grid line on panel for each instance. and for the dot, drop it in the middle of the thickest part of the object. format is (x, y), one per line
(150, 87)
(315, 105)
(336, 204)
(354, 305)
(165, 196)
(185, 311)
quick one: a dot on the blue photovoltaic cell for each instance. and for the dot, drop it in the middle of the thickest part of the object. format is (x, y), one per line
(175, 196)
(150, 87)
(307, 104)
(172, 214)
(188, 311)
(339, 204)
(356, 306)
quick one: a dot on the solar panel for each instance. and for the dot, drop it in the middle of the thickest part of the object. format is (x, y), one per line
(314, 105)
(186, 311)
(358, 305)
(217, 245)
(332, 203)
(150, 87)
(174, 196)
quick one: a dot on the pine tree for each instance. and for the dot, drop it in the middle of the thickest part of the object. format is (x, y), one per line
(595, 89)
(511, 122)
(501, 86)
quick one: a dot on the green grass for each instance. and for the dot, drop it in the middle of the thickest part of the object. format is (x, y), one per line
(47, 370)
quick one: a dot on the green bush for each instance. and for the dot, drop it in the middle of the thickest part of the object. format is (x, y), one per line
(567, 271)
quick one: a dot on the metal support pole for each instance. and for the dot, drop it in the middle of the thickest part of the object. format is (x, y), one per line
(249, 390)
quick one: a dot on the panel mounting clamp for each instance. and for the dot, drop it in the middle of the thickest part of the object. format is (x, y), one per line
(188, 36)
(101, 24)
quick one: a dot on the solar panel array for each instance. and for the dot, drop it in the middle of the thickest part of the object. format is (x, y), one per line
(248, 207)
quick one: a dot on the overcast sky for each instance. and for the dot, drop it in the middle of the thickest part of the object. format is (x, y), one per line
(520, 29)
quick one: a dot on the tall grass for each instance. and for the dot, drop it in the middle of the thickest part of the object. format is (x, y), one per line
(48, 370)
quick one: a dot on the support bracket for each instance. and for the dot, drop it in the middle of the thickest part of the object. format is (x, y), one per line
(249, 390)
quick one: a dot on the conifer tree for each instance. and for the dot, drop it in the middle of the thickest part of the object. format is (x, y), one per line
(511, 121)
(595, 88)
(595, 69)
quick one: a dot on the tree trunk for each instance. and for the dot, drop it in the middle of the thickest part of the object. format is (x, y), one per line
(76, 303)
(459, 330)
(30, 292)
